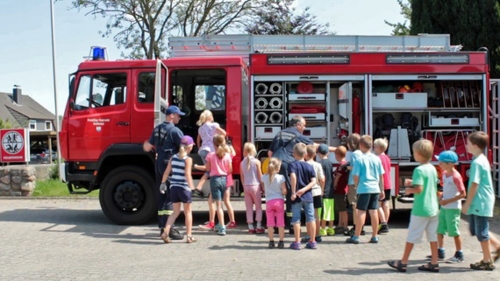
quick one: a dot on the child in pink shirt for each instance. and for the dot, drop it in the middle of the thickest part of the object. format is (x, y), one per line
(379, 147)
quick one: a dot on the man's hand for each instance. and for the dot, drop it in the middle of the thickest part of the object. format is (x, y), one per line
(163, 187)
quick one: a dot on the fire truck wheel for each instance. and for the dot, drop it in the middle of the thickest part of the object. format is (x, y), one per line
(127, 196)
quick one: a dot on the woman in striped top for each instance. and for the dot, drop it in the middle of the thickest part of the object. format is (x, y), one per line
(181, 184)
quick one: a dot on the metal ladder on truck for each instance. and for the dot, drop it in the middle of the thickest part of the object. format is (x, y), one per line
(243, 45)
(495, 132)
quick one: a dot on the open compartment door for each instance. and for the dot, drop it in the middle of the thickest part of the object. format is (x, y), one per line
(161, 92)
(345, 107)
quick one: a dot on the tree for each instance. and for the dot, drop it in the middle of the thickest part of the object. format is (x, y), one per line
(402, 28)
(5, 124)
(140, 27)
(472, 24)
(280, 17)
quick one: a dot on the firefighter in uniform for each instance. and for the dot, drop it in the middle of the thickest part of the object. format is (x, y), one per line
(165, 140)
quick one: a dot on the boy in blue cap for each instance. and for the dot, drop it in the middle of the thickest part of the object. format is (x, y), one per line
(451, 206)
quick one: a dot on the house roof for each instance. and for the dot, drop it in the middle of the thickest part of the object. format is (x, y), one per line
(19, 115)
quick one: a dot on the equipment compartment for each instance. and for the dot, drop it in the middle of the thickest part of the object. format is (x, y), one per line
(399, 100)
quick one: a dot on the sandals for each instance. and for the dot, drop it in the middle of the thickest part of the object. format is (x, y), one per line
(429, 267)
(401, 267)
(481, 265)
(497, 256)
(191, 239)
(165, 238)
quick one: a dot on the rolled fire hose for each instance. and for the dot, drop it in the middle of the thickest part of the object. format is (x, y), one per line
(275, 117)
(261, 118)
(261, 89)
(275, 88)
(261, 103)
(275, 103)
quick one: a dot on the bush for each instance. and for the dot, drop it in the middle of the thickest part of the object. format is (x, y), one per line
(54, 172)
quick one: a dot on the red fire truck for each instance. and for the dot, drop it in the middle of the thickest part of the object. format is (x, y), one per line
(401, 88)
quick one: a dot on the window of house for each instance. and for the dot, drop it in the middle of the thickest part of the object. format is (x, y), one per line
(48, 125)
(32, 124)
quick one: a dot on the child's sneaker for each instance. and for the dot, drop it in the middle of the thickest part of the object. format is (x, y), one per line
(441, 255)
(281, 244)
(481, 265)
(312, 245)
(305, 239)
(349, 232)
(352, 240)
(330, 232)
(231, 225)
(374, 240)
(221, 231)
(295, 246)
(251, 230)
(318, 238)
(271, 245)
(322, 232)
(207, 226)
(259, 230)
(383, 228)
(457, 258)
(217, 227)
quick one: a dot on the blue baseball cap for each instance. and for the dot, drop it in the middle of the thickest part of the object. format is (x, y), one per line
(323, 149)
(174, 110)
(448, 156)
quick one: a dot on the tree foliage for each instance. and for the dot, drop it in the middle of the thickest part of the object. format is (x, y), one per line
(5, 124)
(472, 24)
(402, 28)
(280, 17)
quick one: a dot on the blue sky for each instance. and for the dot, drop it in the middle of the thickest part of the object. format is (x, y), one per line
(26, 54)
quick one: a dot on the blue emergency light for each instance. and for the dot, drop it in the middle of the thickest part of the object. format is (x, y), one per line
(98, 53)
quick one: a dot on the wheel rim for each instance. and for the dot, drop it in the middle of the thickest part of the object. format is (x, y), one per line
(129, 196)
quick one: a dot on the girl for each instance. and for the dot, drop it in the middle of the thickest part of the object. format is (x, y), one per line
(275, 189)
(379, 147)
(181, 184)
(251, 174)
(208, 129)
(219, 165)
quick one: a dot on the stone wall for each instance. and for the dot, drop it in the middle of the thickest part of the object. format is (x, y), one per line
(17, 180)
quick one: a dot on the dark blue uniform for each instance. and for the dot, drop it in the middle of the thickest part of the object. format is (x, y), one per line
(166, 138)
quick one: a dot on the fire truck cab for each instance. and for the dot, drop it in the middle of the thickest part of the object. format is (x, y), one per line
(401, 88)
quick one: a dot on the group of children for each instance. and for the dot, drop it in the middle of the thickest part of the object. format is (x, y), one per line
(362, 180)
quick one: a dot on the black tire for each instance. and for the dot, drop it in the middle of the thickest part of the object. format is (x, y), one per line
(127, 196)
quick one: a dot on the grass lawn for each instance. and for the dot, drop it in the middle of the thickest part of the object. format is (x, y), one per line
(56, 188)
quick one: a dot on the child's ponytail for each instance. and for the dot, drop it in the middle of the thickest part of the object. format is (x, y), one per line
(273, 168)
(220, 146)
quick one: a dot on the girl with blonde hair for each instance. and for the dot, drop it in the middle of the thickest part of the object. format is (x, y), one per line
(275, 189)
(251, 174)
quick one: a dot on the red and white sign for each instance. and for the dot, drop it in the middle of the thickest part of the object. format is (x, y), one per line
(15, 145)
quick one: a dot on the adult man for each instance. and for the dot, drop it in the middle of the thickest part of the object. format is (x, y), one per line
(282, 148)
(165, 140)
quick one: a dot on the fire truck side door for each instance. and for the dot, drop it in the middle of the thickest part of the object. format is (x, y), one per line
(100, 114)
(161, 92)
(142, 117)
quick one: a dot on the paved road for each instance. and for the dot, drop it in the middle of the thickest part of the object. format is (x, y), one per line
(70, 239)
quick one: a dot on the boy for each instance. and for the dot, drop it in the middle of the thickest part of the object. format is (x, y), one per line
(340, 189)
(367, 174)
(353, 146)
(328, 199)
(317, 190)
(481, 199)
(384, 211)
(450, 201)
(302, 179)
(424, 214)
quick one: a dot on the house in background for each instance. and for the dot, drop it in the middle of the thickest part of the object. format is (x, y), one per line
(21, 111)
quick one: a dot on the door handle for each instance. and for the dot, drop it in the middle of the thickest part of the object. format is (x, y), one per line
(122, 123)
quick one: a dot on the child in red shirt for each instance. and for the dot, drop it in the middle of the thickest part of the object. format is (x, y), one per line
(340, 186)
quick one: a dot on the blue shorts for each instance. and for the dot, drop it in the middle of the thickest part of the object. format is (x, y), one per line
(367, 201)
(180, 194)
(479, 227)
(308, 211)
(217, 187)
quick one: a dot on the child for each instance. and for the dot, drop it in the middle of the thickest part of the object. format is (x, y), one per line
(275, 189)
(317, 190)
(379, 147)
(367, 174)
(424, 214)
(220, 166)
(181, 184)
(481, 200)
(353, 145)
(208, 129)
(450, 201)
(328, 193)
(340, 186)
(251, 174)
(302, 179)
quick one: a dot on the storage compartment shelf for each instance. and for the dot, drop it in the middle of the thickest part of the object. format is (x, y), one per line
(306, 97)
(399, 100)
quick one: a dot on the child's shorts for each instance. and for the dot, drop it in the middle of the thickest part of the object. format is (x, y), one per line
(308, 211)
(449, 222)
(317, 202)
(351, 195)
(275, 213)
(328, 209)
(479, 227)
(367, 201)
(387, 193)
(180, 195)
(217, 187)
(340, 202)
(419, 225)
